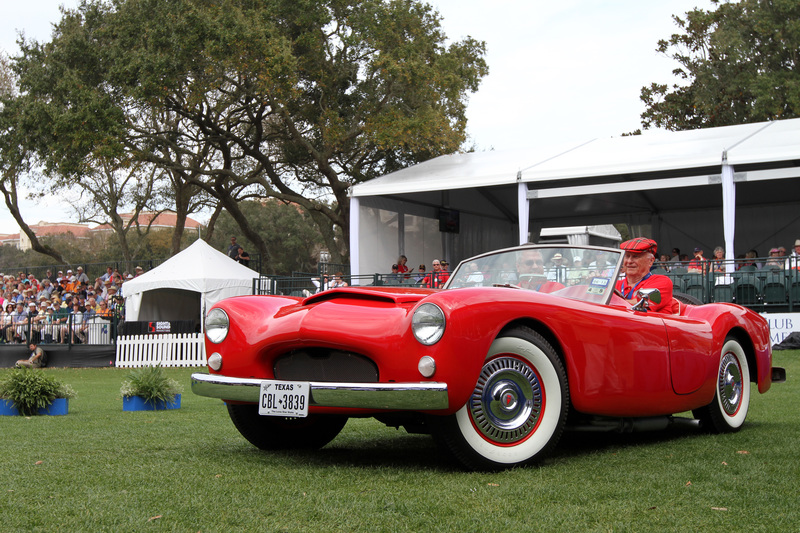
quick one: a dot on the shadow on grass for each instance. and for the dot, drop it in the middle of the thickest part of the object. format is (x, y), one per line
(420, 452)
(410, 452)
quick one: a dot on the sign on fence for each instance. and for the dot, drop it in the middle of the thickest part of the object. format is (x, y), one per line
(183, 349)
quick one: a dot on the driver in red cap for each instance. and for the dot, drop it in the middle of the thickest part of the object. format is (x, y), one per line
(640, 253)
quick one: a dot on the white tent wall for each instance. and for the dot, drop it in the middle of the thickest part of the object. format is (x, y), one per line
(186, 284)
(170, 304)
(669, 184)
(390, 227)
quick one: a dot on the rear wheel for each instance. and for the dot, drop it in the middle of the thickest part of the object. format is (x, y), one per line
(280, 433)
(518, 409)
(727, 412)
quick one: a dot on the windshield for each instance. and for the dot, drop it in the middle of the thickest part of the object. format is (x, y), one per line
(581, 273)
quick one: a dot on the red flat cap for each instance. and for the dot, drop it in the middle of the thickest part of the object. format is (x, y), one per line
(639, 245)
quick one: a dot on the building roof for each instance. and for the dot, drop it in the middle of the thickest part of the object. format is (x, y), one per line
(165, 219)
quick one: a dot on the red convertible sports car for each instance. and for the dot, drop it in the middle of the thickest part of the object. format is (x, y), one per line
(519, 345)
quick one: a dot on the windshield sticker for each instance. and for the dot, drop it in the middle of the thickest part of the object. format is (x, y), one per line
(594, 290)
(600, 282)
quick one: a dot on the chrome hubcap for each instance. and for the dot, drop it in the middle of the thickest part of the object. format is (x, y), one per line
(730, 384)
(507, 402)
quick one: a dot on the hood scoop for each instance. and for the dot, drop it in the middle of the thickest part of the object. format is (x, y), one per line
(393, 295)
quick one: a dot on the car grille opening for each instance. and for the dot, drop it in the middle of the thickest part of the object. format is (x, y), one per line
(320, 364)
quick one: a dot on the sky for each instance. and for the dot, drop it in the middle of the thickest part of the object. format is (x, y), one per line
(559, 70)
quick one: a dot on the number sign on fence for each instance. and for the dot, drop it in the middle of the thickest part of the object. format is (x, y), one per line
(183, 349)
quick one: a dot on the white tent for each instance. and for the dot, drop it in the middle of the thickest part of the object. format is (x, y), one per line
(184, 286)
(737, 186)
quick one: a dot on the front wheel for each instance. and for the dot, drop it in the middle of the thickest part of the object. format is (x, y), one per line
(281, 433)
(728, 409)
(518, 410)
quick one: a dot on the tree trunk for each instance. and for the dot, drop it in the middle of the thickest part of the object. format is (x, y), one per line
(10, 196)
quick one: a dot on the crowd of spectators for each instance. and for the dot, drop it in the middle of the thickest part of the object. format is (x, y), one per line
(58, 308)
(401, 274)
(777, 259)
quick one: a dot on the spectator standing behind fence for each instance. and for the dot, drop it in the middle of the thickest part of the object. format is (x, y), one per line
(242, 257)
(395, 277)
(233, 249)
(718, 262)
(437, 278)
(81, 275)
(8, 328)
(420, 277)
(108, 275)
(78, 330)
(402, 268)
(338, 281)
(320, 283)
(698, 264)
(793, 260)
(19, 319)
(775, 261)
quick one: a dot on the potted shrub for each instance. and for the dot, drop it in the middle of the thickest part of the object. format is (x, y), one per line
(25, 391)
(149, 389)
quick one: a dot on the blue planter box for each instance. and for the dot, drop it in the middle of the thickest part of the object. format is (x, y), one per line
(60, 406)
(137, 403)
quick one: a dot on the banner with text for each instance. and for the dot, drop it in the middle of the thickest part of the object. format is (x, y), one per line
(781, 325)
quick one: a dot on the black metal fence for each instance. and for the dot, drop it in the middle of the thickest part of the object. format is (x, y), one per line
(70, 329)
(304, 283)
(763, 284)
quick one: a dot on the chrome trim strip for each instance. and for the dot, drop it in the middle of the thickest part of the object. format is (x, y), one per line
(406, 396)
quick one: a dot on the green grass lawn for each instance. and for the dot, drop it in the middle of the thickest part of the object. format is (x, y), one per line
(102, 469)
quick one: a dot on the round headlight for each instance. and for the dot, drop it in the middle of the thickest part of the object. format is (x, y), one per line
(428, 324)
(217, 324)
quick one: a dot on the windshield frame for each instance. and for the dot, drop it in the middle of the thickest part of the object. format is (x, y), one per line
(456, 278)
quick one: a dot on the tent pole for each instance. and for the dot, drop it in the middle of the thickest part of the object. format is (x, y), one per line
(728, 211)
(523, 208)
(355, 270)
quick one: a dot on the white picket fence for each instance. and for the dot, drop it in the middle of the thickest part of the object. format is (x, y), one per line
(181, 349)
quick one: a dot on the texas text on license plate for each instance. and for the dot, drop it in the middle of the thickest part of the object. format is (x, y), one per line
(284, 398)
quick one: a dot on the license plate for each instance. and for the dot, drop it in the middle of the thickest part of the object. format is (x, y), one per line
(284, 398)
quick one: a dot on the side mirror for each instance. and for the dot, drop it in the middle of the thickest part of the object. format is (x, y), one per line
(645, 297)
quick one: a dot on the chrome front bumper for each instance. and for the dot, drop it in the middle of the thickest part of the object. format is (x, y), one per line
(403, 396)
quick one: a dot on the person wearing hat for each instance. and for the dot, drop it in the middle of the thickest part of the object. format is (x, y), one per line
(139, 271)
(793, 260)
(775, 260)
(81, 275)
(395, 277)
(640, 253)
(698, 264)
(420, 277)
(557, 271)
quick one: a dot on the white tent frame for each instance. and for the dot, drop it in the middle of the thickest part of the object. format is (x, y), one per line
(659, 160)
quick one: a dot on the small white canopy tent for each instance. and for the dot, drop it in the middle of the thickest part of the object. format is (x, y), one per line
(184, 286)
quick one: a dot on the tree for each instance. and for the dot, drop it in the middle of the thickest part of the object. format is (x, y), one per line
(295, 100)
(14, 160)
(741, 62)
(112, 188)
(293, 239)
